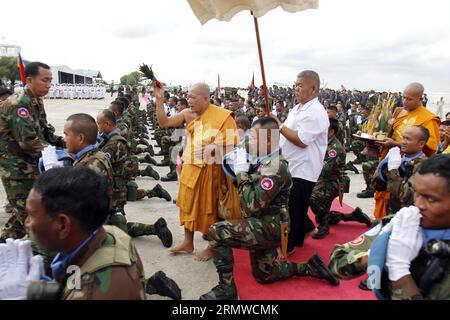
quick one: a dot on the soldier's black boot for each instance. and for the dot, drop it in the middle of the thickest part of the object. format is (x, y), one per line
(159, 191)
(319, 270)
(161, 285)
(350, 167)
(150, 150)
(148, 159)
(171, 176)
(144, 142)
(144, 136)
(163, 232)
(365, 194)
(358, 216)
(222, 291)
(323, 228)
(150, 172)
(164, 163)
(336, 217)
(363, 285)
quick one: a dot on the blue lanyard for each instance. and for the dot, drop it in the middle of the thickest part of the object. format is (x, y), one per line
(85, 150)
(61, 261)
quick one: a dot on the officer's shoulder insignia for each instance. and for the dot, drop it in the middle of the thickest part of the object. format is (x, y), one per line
(267, 184)
(332, 153)
(23, 112)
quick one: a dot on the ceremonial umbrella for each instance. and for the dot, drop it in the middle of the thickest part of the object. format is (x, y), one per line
(224, 10)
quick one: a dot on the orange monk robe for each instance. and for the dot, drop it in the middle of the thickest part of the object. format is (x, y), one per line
(200, 183)
(418, 117)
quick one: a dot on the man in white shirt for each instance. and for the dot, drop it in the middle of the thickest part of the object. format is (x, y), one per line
(303, 143)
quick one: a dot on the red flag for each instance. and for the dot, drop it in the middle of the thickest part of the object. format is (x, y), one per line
(21, 67)
(252, 84)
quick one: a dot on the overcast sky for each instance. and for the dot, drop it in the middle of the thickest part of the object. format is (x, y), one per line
(364, 44)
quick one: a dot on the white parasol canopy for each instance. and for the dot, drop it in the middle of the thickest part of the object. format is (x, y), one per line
(224, 10)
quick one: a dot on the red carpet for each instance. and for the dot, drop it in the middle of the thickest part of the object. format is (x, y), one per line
(304, 288)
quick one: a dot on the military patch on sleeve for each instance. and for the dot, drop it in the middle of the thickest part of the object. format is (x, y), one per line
(23, 113)
(267, 184)
(332, 153)
(358, 241)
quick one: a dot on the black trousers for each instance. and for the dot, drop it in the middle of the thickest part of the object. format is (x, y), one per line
(298, 211)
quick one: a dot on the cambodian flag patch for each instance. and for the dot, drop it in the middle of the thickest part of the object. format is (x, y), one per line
(332, 153)
(267, 184)
(23, 113)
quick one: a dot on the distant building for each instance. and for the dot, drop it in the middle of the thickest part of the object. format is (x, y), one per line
(65, 74)
(8, 48)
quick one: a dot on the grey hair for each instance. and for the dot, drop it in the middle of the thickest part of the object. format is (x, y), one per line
(310, 75)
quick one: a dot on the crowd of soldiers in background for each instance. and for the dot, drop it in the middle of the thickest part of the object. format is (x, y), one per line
(73, 91)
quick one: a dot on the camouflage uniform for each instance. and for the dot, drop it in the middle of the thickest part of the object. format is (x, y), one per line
(264, 193)
(116, 149)
(24, 132)
(122, 127)
(349, 261)
(111, 269)
(369, 168)
(327, 187)
(399, 183)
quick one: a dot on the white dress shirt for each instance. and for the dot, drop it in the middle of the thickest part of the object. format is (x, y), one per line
(311, 123)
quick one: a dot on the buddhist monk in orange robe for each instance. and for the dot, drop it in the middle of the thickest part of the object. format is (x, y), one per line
(211, 132)
(412, 114)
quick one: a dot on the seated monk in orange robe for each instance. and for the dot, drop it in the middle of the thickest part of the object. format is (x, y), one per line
(412, 114)
(211, 132)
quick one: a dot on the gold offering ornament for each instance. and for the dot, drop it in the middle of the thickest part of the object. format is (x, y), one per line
(380, 120)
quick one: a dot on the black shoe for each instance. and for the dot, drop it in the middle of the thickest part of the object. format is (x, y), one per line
(149, 171)
(164, 163)
(163, 286)
(148, 159)
(144, 136)
(205, 237)
(363, 285)
(335, 218)
(361, 217)
(350, 167)
(220, 292)
(170, 177)
(144, 142)
(365, 194)
(150, 150)
(322, 233)
(161, 193)
(316, 263)
(357, 161)
(163, 232)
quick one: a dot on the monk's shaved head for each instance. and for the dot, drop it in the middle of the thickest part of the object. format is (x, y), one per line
(412, 96)
(201, 88)
(416, 89)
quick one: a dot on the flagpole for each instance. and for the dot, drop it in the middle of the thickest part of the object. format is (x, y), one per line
(261, 62)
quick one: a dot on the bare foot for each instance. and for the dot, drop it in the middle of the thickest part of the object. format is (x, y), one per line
(204, 255)
(184, 247)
